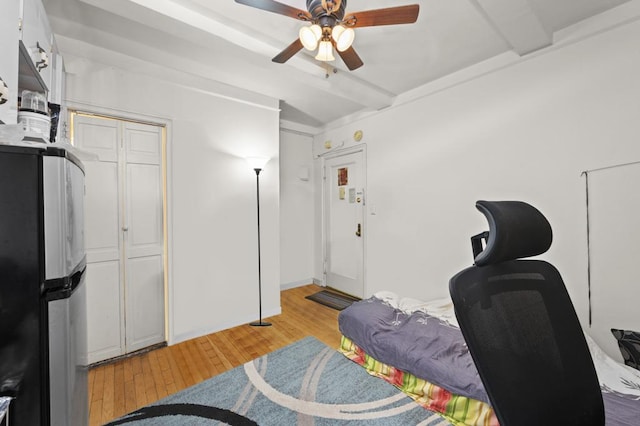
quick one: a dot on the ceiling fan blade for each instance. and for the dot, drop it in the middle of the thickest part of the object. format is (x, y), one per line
(351, 58)
(275, 7)
(389, 16)
(287, 53)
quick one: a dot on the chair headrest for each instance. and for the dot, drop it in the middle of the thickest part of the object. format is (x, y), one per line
(516, 230)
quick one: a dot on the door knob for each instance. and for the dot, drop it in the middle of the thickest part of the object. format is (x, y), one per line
(359, 231)
(125, 228)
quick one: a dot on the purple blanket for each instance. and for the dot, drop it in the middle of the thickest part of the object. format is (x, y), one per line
(431, 349)
(418, 344)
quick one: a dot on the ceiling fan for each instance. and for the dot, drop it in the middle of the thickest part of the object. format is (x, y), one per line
(331, 28)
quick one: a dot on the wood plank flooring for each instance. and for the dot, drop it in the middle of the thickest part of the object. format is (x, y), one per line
(126, 385)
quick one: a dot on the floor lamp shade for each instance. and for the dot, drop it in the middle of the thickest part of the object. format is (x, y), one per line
(257, 164)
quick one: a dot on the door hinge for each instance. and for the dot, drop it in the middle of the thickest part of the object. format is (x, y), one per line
(19, 24)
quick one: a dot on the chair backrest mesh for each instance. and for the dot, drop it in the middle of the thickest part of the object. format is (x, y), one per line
(527, 343)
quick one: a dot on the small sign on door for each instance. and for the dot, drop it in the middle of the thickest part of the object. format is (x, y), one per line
(343, 176)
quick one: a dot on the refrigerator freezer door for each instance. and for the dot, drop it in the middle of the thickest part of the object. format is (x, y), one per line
(63, 191)
(74, 181)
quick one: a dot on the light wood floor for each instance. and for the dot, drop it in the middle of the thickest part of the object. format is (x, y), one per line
(124, 386)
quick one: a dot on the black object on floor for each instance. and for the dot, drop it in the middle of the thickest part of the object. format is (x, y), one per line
(334, 300)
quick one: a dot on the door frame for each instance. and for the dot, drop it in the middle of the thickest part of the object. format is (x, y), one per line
(329, 156)
(167, 178)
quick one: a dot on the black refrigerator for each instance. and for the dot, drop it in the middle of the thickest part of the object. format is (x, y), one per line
(43, 317)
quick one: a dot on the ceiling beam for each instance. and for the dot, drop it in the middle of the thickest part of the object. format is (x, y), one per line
(155, 13)
(517, 22)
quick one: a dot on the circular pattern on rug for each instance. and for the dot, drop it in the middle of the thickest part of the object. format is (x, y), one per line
(358, 411)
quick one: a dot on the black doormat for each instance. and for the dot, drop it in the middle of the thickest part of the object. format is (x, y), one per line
(332, 299)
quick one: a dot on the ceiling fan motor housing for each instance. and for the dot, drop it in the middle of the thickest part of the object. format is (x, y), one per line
(317, 11)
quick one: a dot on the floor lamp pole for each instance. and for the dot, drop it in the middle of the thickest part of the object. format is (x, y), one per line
(259, 323)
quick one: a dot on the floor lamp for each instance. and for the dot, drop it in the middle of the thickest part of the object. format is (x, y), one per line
(257, 164)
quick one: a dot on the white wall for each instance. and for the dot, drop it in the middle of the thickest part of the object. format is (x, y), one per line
(523, 131)
(212, 195)
(297, 210)
(614, 232)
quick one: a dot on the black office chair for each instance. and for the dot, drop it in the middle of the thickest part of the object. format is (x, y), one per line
(520, 325)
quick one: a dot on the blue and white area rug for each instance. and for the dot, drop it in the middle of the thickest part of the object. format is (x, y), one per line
(306, 383)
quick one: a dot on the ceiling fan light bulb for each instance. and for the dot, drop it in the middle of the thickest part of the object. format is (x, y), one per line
(337, 31)
(309, 36)
(325, 52)
(343, 37)
(317, 31)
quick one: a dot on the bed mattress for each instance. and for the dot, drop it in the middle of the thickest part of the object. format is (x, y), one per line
(422, 340)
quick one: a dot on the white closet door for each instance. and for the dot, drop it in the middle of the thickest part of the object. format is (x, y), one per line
(124, 231)
(144, 241)
(103, 224)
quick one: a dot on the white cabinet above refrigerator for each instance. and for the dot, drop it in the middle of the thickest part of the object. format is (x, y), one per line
(37, 38)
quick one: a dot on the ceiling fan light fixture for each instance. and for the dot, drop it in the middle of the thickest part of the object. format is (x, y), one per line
(343, 37)
(325, 52)
(309, 36)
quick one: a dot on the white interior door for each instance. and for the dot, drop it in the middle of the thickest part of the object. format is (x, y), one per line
(344, 224)
(105, 296)
(125, 235)
(143, 236)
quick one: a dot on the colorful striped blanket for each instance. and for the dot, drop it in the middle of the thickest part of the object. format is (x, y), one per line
(459, 410)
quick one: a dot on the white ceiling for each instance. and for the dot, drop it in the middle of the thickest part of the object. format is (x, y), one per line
(205, 43)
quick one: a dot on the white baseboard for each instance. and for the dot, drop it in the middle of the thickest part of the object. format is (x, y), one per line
(307, 281)
(224, 326)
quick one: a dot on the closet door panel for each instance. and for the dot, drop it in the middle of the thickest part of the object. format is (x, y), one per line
(104, 322)
(143, 143)
(102, 206)
(144, 210)
(145, 302)
(98, 136)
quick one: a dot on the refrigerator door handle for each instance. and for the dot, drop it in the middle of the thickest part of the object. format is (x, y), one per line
(76, 278)
(63, 288)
